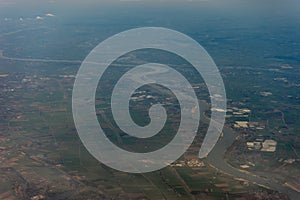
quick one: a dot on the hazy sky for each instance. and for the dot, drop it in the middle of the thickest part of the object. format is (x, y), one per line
(284, 7)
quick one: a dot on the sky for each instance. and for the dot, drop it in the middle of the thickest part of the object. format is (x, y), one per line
(223, 3)
(255, 9)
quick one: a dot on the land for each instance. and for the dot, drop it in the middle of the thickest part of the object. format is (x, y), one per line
(42, 157)
(40, 146)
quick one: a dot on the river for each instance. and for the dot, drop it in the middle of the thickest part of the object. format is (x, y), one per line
(217, 155)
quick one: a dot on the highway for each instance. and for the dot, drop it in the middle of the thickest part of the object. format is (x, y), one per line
(216, 159)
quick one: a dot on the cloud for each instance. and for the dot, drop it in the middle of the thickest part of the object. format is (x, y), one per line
(39, 18)
(50, 15)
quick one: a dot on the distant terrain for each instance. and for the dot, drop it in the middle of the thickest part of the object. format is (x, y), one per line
(256, 49)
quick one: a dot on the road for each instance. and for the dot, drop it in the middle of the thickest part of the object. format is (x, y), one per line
(216, 159)
(216, 156)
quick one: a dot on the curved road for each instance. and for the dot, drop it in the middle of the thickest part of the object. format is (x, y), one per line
(216, 156)
(216, 159)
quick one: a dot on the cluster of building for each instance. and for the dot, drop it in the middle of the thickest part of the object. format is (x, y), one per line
(241, 117)
(248, 165)
(265, 94)
(38, 197)
(195, 163)
(264, 146)
(238, 112)
(241, 124)
(190, 163)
